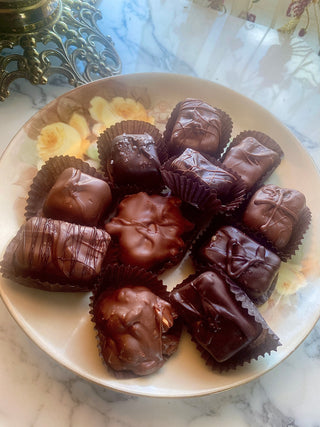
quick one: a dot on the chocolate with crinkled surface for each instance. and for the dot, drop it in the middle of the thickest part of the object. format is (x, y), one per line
(251, 160)
(274, 212)
(56, 250)
(77, 197)
(216, 320)
(134, 160)
(212, 175)
(198, 126)
(252, 266)
(134, 327)
(149, 229)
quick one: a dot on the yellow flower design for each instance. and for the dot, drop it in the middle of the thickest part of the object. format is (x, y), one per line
(72, 138)
(107, 113)
(64, 139)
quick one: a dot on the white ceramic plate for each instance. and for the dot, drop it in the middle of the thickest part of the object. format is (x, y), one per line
(60, 323)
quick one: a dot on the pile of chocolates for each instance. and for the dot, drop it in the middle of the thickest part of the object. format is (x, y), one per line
(155, 198)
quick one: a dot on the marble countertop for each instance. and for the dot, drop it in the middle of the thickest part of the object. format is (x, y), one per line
(279, 72)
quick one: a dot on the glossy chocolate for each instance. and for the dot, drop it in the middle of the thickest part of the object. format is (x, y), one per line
(134, 323)
(274, 212)
(77, 197)
(216, 320)
(55, 250)
(247, 263)
(251, 160)
(148, 229)
(134, 160)
(198, 126)
(201, 168)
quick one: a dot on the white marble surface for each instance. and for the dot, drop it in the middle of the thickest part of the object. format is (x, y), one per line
(283, 75)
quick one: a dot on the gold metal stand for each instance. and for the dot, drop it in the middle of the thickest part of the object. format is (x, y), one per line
(39, 38)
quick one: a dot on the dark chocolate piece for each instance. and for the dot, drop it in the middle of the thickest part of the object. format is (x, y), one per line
(216, 320)
(251, 160)
(77, 197)
(133, 325)
(274, 212)
(149, 229)
(222, 181)
(134, 160)
(249, 264)
(198, 126)
(51, 250)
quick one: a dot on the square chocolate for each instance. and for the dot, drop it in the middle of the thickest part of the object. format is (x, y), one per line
(251, 160)
(214, 176)
(274, 212)
(57, 251)
(77, 197)
(134, 160)
(250, 265)
(198, 126)
(215, 318)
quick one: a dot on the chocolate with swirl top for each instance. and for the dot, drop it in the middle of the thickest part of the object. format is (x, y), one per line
(216, 320)
(251, 160)
(201, 168)
(77, 197)
(55, 250)
(134, 329)
(134, 160)
(149, 229)
(249, 264)
(274, 212)
(198, 126)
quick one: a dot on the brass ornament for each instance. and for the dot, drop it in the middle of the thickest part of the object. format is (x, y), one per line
(39, 38)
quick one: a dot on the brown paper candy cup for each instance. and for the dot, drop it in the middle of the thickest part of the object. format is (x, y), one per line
(43, 285)
(193, 190)
(104, 144)
(191, 214)
(203, 264)
(296, 239)
(226, 130)
(297, 236)
(41, 280)
(116, 277)
(32, 281)
(265, 140)
(263, 345)
(47, 176)
(266, 342)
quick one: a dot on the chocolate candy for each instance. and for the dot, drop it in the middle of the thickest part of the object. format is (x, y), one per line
(216, 320)
(134, 160)
(222, 181)
(55, 250)
(133, 323)
(249, 264)
(149, 229)
(77, 197)
(274, 212)
(198, 126)
(251, 160)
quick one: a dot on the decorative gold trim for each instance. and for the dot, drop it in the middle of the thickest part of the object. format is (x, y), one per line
(19, 4)
(66, 41)
(29, 18)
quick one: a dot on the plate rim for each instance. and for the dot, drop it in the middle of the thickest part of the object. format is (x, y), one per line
(127, 77)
